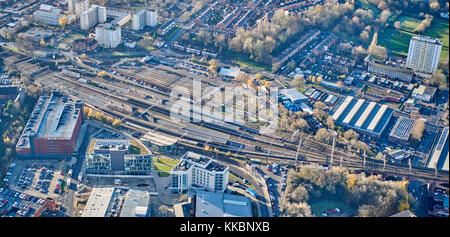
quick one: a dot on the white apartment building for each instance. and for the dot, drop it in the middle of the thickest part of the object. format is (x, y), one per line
(78, 6)
(93, 16)
(196, 171)
(144, 18)
(423, 54)
(48, 15)
(108, 35)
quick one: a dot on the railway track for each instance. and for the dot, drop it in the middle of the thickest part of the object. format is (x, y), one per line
(282, 151)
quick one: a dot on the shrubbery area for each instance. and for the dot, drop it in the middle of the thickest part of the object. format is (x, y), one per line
(371, 196)
(13, 119)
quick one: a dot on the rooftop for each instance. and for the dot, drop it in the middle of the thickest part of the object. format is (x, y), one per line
(405, 213)
(111, 145)
(159, 139)
(427, 39)
(294, 95)
(361, 115)
(212, 204)
(391, 68)
(229, 72)
(402, 128)
(136, 204)
(421, 90)
(98, 202)
(193, 159)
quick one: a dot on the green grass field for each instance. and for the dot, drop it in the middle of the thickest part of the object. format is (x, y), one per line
(366, 5)
(244, 61)
(409, 23)
(439, 30)
(164, 164)
(398, 40)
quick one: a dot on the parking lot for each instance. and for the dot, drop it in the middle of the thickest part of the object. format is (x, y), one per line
(41, 178)
(16, 203)
(275, 176)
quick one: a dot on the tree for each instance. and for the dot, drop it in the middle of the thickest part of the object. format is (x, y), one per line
(440, 80)
(116, 123)
(298, 82)
(322, 135)
(319, 80)
(291, 65)
(258, 76)
(214, 66)
(251, 83)
(300, 194)
(101, 74)
(417, 131)
(63, 21)
(435, 7)
(382, 5)
(364, 36)
(330, 122)
(378, 51)
(351, 134)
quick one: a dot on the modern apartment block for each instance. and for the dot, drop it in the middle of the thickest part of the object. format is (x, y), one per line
(402, 74)
(198, 172)
(108, 35)
(78, 6)
(93, 16)
(52, 130)
(144, 18)
(50, 15)
(423, 54)
(166, 27)
(114, 157)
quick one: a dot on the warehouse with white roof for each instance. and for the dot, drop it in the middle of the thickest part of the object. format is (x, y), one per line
(365, 117)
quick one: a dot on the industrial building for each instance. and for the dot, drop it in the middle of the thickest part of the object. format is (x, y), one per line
(402, 130)
(423, 54)
(213, 204)
(144, 17)
(98, 202)
(114, 157)
(108, 35)
(136, 204)
(365, 117)
(52, 130)
(114, 202)
(198, 172)
(92, 16)
(293, 95)
(424, 93)
(439, 157)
